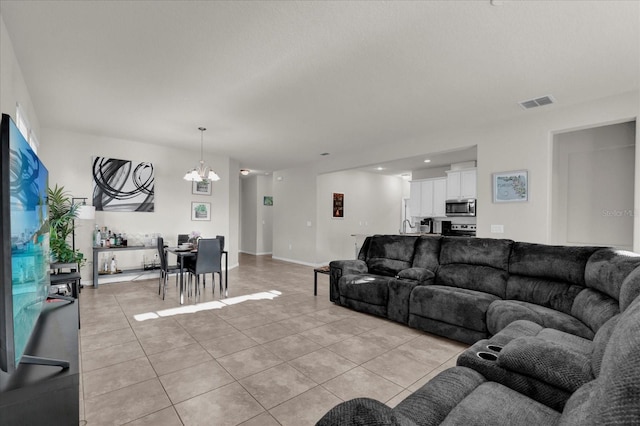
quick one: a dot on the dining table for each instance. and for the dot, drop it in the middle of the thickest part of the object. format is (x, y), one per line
(182, 254)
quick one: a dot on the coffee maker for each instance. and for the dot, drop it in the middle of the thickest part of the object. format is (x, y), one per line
(426, 225)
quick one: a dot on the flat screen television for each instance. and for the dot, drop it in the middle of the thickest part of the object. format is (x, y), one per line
(24, 249)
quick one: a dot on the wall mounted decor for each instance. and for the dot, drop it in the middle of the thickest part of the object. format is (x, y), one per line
(338, 205)
(509, 187)
(123, 186)
(268, 200)
(200, 211)
(201, 188)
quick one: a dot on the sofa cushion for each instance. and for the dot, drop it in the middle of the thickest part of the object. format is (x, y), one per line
(594, 308)
(607, 268)
(372, 289)
(558, 263)
(431, 404)
(630, 289)
(390, 254)
(473, 277)
(613, 397)
(427, 252)
(503, 312)
(476, 251)
(456, 306)
(544, 292)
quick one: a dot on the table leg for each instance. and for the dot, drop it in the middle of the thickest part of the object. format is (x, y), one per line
(315, 283)
(181, 279)
(226, 275)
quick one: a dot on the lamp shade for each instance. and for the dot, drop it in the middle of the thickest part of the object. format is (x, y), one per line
(85, 212)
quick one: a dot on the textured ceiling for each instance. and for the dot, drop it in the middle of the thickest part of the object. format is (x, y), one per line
(278, 83)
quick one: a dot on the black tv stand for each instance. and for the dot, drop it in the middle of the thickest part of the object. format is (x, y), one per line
(37, 394)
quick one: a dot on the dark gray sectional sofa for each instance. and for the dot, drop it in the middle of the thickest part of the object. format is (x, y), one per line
(465, 396)
(468, 289)
(555, 331)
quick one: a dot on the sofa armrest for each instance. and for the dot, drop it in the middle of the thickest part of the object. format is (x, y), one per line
(547, 361)
(360, 411)
(422, 275)
(339, 268)
(347, 267)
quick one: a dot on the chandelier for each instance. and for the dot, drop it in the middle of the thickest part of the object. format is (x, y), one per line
(202, 171)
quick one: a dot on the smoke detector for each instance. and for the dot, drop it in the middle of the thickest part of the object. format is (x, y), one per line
(537, 102)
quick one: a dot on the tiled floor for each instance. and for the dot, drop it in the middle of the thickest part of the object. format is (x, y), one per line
(279, 356)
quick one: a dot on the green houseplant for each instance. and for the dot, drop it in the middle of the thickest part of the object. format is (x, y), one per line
(62, 212)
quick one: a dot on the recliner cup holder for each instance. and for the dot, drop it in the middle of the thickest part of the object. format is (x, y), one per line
(487, 356)
(494, 348)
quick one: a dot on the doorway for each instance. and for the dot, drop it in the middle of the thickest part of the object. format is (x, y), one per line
(593, 186)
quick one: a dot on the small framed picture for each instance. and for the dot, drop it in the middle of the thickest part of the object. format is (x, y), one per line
(200, 211)
(268, 200)
(511, 187)
(201, 188)
(338, 206)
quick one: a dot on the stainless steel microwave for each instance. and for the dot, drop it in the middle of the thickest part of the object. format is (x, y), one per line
(466, 207)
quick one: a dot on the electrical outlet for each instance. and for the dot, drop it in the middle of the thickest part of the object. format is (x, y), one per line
(497, 229)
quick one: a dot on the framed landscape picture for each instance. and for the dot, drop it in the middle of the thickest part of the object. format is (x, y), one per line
(200, 211)
(201, 188)
(510, 187)
(268, 200)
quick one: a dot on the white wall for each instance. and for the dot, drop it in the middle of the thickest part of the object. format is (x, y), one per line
(264, 216)
(12, 86)
(256, 218)
(68, 157)
(522, 143)
(372, 205)
(294, 206)
(248, 214)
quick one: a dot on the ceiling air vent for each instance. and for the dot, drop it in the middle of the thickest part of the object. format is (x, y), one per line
(532, 103)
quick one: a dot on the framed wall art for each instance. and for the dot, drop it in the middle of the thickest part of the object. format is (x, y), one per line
(201, 188)
(338, 205)
(200, 211)
(268, 200)
(510, 187)
(122, 186)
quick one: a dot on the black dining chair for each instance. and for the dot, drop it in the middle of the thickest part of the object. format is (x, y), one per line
(208, 260)
(165, 269)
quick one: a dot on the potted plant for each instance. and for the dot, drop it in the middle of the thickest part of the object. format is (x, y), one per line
(62, 212)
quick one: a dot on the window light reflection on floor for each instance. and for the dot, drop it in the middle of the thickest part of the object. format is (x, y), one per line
(205, 306)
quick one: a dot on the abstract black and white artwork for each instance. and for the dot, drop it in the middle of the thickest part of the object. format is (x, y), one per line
(122, 186)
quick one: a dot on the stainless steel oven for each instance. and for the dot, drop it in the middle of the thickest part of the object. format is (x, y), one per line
(465, 207)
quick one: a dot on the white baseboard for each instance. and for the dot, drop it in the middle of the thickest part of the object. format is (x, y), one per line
(255, 254)
(315, 265)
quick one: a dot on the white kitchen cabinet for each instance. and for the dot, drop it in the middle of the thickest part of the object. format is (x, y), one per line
(415, 197)
(427, 197)
(461, 184)
(439, 197)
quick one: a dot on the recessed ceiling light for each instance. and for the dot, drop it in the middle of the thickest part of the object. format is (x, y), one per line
(244, 172)
(427, 161)
(379, 168)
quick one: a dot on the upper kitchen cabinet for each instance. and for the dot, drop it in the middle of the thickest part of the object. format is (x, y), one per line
(461, 184)
(428, 197)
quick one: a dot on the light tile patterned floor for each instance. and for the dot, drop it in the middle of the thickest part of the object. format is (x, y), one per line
(283, 360)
